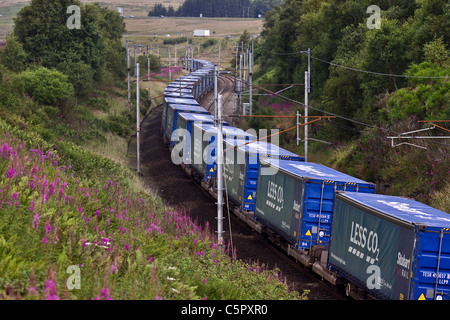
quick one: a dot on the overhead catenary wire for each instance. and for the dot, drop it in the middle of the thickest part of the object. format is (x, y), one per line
(354, 69)
(334, 114)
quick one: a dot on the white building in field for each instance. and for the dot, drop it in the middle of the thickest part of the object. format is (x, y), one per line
(201, 33)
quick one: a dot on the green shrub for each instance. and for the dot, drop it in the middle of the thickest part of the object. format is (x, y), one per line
(209, 43)
(48, 87)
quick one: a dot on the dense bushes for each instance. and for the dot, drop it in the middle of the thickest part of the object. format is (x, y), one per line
(48, 87)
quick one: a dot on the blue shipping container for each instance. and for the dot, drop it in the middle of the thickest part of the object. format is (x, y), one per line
(394, 247)
(186, 121)
(171, 100)
(172, 117)
(297, 199)
(242, 165)
(203, 147)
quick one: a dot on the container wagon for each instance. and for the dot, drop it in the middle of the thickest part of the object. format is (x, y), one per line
(393, 247)
(241, 168)
(178, 93)
(171, 100)
(186, 121)
(173, 110)
(296, 199)
(203, 145)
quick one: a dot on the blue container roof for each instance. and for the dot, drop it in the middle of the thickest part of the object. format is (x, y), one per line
(190, 78)
(172, 100)
(407, 210)
(177, 83)
(199, 117)
(266, 148)
(176, 94)
(200, 72)
(312, 170)
(188, 108)
(227, 131)
(196, 117)
(175, 88)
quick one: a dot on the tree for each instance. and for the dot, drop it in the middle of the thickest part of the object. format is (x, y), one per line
(41, 28)
(13, 56)
(436, 52)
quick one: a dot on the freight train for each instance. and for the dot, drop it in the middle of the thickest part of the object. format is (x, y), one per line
(371, 245)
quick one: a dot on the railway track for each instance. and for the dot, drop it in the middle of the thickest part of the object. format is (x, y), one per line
(161, 175)
(225, 86)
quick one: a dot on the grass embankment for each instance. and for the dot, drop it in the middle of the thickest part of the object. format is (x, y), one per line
(75, 224)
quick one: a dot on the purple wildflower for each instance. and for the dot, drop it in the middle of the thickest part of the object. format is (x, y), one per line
(36, 219)
(48, 227)
(32, 290)
(104, 295)
(50, 290)
(11, 173)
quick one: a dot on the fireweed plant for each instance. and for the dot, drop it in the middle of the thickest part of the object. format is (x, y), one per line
(126, 246)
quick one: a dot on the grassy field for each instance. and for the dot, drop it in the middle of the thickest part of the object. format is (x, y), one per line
(185, 26)
(147, 26)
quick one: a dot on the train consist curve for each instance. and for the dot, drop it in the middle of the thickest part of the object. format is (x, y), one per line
(373, 245)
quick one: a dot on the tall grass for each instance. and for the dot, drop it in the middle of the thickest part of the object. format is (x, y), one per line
(126, 245)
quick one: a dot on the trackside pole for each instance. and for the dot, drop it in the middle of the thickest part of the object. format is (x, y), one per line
(148, 78)
(219, 174)
(306, 115)
(138, 126)
(129, 79)
(215, 95)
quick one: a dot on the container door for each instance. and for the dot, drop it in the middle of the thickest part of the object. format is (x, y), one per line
(250, 183)
(317, 214)
(432, 258)
(209, 158)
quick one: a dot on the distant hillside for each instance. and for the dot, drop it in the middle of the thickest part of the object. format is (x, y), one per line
(217, 8)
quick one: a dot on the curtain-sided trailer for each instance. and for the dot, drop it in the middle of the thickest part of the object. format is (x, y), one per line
(396, 248)
(241, 168)
(173, 110)
(296, 199)
(204, 144)
(185, 123)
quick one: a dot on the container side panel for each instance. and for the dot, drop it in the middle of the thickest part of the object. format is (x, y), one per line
(197, 150)
(275, 203)
(163, 118)
(169, 122)
(231, 174)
